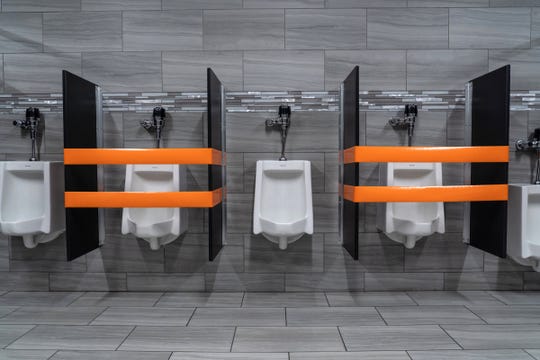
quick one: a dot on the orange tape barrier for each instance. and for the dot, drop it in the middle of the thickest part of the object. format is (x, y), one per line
(362, 194)
(190, 156)
(110, 199)
(464, 154)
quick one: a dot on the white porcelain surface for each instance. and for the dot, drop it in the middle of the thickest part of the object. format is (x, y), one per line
(158, 226)
(32, 200)
(523, 240)
(283, 206)
(407, 222)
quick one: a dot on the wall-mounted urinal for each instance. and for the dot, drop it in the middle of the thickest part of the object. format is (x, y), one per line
(32, 200)
(407, 222)
(283, 207)
(158, 226)
(523, 240)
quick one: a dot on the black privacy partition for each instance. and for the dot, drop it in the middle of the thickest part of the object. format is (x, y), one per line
(216, 173)
(349, 137)
(80, 123)
(490, 113)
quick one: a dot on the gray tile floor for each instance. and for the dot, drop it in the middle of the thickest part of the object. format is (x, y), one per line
(427, 325)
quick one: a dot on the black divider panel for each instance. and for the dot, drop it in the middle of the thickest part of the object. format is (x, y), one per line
(82, 226)
(350, 137)
(215, 172)
(490, 122)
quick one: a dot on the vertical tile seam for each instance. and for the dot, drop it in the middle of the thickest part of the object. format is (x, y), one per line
(19, 337)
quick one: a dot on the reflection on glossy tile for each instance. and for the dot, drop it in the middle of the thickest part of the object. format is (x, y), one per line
(287, 339)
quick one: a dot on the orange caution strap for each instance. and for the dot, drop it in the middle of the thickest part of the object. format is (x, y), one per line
(466, 154)
(189, 156)
(362, 194)
(109, 199)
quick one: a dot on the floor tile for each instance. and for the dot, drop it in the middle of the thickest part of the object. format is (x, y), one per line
(364, 355)
(238, 317)
(419, 337)
(25, 354)
(428, 314)
(152, 338)
(73, 337)
(285, 339)
(495, 336)
(46, 315)
(517, 297)
(369, 299)
(9, 333)
(110, 355)
(333, 316)
(146, 316)
(4, 310)
(284, 299)
(453, 298)
(117, 299)
(469, 355)
(508, 314)
(228, 356)
(534, 352)
(201, 299)
(20, 298)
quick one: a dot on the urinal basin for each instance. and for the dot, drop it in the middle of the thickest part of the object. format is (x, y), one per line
(32, 200)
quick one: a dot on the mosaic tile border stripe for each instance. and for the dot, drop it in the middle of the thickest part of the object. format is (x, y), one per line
(527, 100)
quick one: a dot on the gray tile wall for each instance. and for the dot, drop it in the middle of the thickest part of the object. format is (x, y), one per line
(130, 46)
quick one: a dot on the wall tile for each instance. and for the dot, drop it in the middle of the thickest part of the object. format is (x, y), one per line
(403, 281)
(328, 281)
(53, 132)
(483, 281)
(165, 282)
(370, 258)
(186, 70)
(82, 31)
(521, 168)
(2, 72)
(331, 172)
(162, 30)
(14, 140)
(21, 33)
(379, 69)
(201, 4)
(40, 6)
(304, 255)
(243, 29)
(38, 72)
(365, 3)
(50, 256)
(301, 4)
(239, 213)
(24, 281)
(317, 168)
(443, 253)
(284, 70)
(325, 212)
(525, 66)
(444, 69)
(127, 71)
(531, 281)
(448, 3)
(244, 282)
(87, 282)
(490, 28)
(495, 263)
(518, 127)
(455, 128)
(183, 256)
(535, 27)
(420, 29)
(235, 172)
(112, 5)
(4, 252)
(325, 29)
(125, 254)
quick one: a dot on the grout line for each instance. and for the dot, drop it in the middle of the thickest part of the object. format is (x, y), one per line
(53, 354)
(382, 317)
(123, 341)
(191, 317)
(159, 298)
(285, 310)
(341, 337)
(77, 298)
(410, 297)
(526, 352)
(454, 340)
(243, 297)
(32, 328)
(409, 355)
(98, 315)
(233, 338)
(481, 318)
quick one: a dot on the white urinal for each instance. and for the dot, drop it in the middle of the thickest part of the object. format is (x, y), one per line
(32, 200)
(523, 240)
(158, 226)
(283, 207)
(407, 222)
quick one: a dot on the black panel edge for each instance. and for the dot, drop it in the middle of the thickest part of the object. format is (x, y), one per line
(490, 100)
(82, 226)
(215, 173)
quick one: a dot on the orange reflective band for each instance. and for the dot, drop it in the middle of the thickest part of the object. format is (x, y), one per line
(362, 194)
(466, 154)
(192, 156)
(109, 199)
